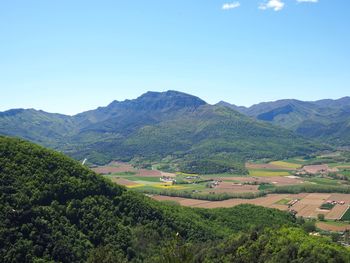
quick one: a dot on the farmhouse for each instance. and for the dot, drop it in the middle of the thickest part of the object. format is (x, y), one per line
(335, 202)
(213, 184)
(193, 177)
(167, 179)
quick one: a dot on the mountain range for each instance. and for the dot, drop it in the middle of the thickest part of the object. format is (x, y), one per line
(326, 120)
(180, 131)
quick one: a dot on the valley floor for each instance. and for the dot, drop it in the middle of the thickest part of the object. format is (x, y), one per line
(310, 188)
(307, 205)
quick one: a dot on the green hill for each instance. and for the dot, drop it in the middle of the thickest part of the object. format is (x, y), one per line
(52, 209)
(171, 127)
(37, 126)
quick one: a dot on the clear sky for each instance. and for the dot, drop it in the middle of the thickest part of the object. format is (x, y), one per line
(68, 56)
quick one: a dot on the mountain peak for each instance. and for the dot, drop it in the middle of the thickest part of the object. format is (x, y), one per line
(148, 106)
(153, 100)
(240, 109)
(167, 100)
(170, 94)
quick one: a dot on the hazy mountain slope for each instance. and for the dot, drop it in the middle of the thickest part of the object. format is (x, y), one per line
(335, 128)
(240, 109)
(172, 127)
(120, 119)
(339, 103)
(324, 119)
(38, 126)
(191, 135)
(152, 105)
(52, 209)
(217, 137)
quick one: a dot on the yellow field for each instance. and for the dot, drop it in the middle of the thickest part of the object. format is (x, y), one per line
(168, 186)
(267, 173)
(286, 164)
(134, 185)
(157, 185)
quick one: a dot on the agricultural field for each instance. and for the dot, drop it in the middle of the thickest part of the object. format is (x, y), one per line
(266, 172)
(303, 186)
(333, 226)
(263, 175)
(305, 205)
(156, 182)
(286, 165)
(346, 216)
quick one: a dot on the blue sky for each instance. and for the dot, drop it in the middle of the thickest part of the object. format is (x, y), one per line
(70, 56)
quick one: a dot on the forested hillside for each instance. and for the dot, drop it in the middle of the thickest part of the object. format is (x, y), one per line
(170, 127)
(326, 120)
(52, 209)
(45, 128)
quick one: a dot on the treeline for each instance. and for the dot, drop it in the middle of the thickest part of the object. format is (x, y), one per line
(52, 209)
(204, 165)
(196, 181)
(311, 188)
(205, 196)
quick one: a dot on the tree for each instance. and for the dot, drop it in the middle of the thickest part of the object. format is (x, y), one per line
(335, 236)
(321, 217)
(309, 226)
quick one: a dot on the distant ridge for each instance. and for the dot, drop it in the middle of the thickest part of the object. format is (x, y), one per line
(177, 130)
(240, 109)
(326, 120)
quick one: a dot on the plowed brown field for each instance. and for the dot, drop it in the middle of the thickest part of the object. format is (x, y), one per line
(307, 206)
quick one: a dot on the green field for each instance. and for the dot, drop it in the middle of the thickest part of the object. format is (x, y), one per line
(327, 206)
(332, 161)
(296, 160)
(322, 181)
(286, 164)
(346, 173)
(266, 187)
(339, 164)
(283, 201)
(335, 223)
(346, 216)
(142, 178)
(125, 173)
